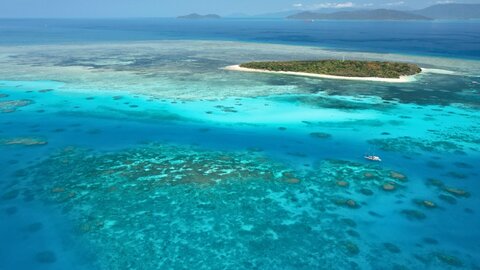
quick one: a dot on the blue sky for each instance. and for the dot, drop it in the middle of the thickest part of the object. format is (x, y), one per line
(169, 8)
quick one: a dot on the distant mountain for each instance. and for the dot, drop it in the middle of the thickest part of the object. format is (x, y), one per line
(284, 14)
(195, 16)
(375, 14)
(280, 14)
(305, 15)
(451, 11)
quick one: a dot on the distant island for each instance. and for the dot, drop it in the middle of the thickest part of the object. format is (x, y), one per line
(451, 11)
(336, 69)
(376, 14)
(195, 16)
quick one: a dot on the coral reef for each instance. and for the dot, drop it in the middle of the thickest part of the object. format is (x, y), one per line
(10, 106)
(391, 248)
(412, 214)
(457, 192)
(215, 203)
(10, 195)
(46, 257)
(448, 259)
(388, 186)
(208, 202)
(25, 141)
(350, 203)
(320, 135)
(342, 183)
(364, 178)
(412, 145)
(398, 176)
(351, 248)
(425, 203)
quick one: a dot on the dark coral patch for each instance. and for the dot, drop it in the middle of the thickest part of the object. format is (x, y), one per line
(10, 106)
(447, 198)
(320, 135)
(448, 259)
(391, 248)
(46, 257)
(351, 248)
(412, 214)
(11, 210)
(34, 227)
(10, 195)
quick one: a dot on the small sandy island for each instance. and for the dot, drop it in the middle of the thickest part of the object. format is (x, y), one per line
(402, 79)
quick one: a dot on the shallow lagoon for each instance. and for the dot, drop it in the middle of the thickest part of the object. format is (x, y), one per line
(253, 171)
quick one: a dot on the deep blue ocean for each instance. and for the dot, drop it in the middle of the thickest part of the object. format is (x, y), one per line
(442, 38)
(126, 144)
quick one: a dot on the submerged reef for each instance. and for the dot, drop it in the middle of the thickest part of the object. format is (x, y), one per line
(448, 259)
(25, 141)
(322, 101)
(46, 257)
(360, 178)
(425, 203)
(187, 69)
(412, 145)
(165, 201)
(320, 135)
(460, 134)
(448, 191)
(10, 106)
(412, 214)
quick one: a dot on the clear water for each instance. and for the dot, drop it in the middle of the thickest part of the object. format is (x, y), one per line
(147, 155)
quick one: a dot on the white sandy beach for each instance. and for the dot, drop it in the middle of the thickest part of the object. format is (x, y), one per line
(402, 79)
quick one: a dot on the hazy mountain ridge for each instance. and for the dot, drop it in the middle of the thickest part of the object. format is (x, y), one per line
(196, 16)
(451, 11)
(375, 14)
(435, 12)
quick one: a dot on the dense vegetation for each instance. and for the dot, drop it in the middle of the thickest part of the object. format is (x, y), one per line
(347, 68)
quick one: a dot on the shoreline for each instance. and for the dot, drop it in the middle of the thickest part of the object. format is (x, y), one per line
(402, 79)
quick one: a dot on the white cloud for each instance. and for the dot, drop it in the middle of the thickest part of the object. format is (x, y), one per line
(445, 2)
(399, 3)
(344, 5)
(333, 5)
(299, 5)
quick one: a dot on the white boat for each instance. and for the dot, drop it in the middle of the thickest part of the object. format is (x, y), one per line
(373, 158)
(370, 155)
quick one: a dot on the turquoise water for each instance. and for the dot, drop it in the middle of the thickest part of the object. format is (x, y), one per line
(150, 156)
